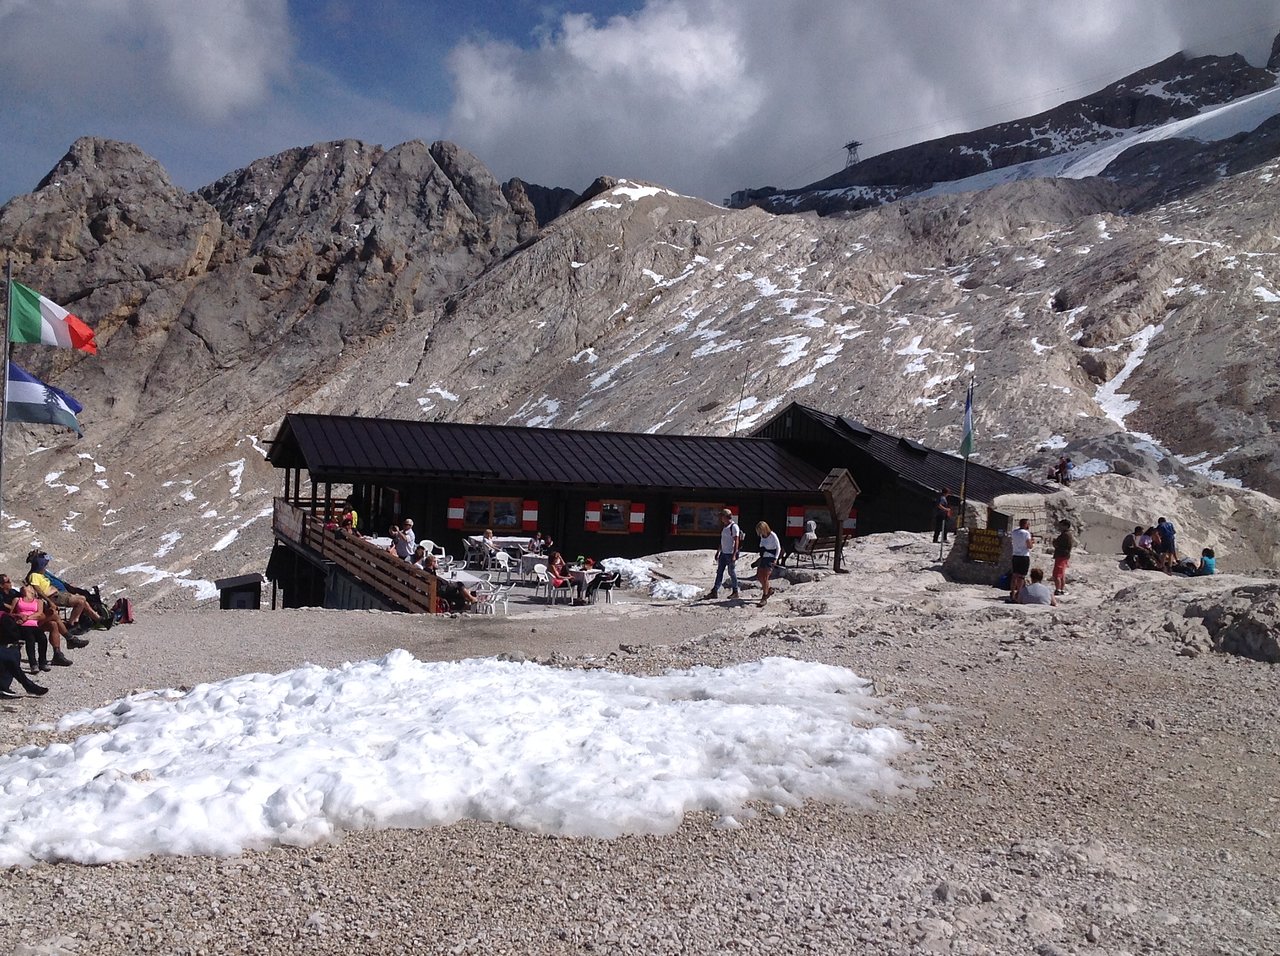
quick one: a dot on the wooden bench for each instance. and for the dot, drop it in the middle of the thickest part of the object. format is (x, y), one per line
(824, 549)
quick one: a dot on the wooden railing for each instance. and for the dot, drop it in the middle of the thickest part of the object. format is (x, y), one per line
(391, 576)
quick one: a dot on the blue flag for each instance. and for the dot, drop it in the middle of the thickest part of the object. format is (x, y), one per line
(32, 401)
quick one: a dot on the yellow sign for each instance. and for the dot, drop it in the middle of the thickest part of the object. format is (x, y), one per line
(984, 545)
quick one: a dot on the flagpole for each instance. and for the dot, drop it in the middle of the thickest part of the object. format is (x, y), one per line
(964, 472)
(7, 351)
(741, 396)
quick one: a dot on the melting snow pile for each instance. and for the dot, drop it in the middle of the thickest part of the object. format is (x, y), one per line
(297, 758)
(639, 574)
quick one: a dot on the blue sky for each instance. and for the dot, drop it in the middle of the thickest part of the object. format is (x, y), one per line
(704, 96)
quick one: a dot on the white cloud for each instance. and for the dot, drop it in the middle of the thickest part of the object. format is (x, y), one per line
(710, 96)
(189, 57)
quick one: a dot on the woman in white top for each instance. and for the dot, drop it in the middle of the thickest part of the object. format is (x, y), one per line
(770, 549)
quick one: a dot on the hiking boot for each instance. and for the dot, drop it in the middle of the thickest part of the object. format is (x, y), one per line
(735, 596)
(8, 694)
(77, 642)
(44, 666)
(712, 595)
(61, 660)
(35, 690)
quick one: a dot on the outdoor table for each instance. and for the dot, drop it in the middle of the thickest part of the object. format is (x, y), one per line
(581, 577)
(502, 541)
(460, 577)
(530, 561)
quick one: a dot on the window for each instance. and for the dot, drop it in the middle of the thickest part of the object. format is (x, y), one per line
(822, 515)
(496, 513)
(615, 517)
(696, 517)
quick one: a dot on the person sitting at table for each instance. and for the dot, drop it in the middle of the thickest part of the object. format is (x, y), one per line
(457, 595)
(537, 544)
(419, 559)
(558, 570)
(581, 581)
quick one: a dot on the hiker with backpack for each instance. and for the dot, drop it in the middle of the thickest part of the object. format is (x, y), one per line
(62, 595)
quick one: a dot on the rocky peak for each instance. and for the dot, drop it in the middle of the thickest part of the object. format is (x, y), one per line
(546, 203)
(1174, 88)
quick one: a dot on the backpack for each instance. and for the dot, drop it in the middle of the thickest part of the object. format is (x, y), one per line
(122, 611)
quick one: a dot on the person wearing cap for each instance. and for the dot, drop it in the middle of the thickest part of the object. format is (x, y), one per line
(730, 543)
(46, 586)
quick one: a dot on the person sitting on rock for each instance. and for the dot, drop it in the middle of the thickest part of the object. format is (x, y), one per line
(1147, 559)
(59, 593)
(1208, 563)
(1206, 567)
(1036, 591)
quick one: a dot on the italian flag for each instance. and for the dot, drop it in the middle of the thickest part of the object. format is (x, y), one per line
(35, 320)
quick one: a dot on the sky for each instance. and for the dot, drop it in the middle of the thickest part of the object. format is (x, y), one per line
(702, 96)
(298, 758)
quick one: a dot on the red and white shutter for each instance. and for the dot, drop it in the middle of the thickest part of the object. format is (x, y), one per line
(795, 521)
(593, 516)
(675, 518)
(734, 509)
(636, 523)
(456, 508)
(529, 516)
(850, 523)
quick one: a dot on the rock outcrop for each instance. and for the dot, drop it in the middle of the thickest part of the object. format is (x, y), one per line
(1247, 623)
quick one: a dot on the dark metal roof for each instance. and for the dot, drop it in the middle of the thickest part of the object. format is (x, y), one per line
(339, 449)
(914, 463)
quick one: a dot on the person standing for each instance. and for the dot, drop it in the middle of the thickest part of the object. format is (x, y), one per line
(770, 549)
(1062, 546)
(730, 543)
(404, 540)
(1022, 541)
(942, 515)
(1167, 552)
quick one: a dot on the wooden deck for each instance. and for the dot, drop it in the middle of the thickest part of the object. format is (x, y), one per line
(393, 578)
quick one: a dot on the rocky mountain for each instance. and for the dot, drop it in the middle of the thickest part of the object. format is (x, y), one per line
(1175, 88)
(1129, 318)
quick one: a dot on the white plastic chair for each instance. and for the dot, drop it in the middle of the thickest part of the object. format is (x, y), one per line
(486, 600)
(501, 561)
(500, 595)
(540, 579)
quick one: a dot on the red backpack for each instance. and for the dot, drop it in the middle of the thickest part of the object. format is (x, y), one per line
(122, 611)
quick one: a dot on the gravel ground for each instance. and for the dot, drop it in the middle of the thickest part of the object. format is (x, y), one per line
(1091, 790)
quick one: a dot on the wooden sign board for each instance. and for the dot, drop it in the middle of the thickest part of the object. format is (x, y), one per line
(985, 545)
